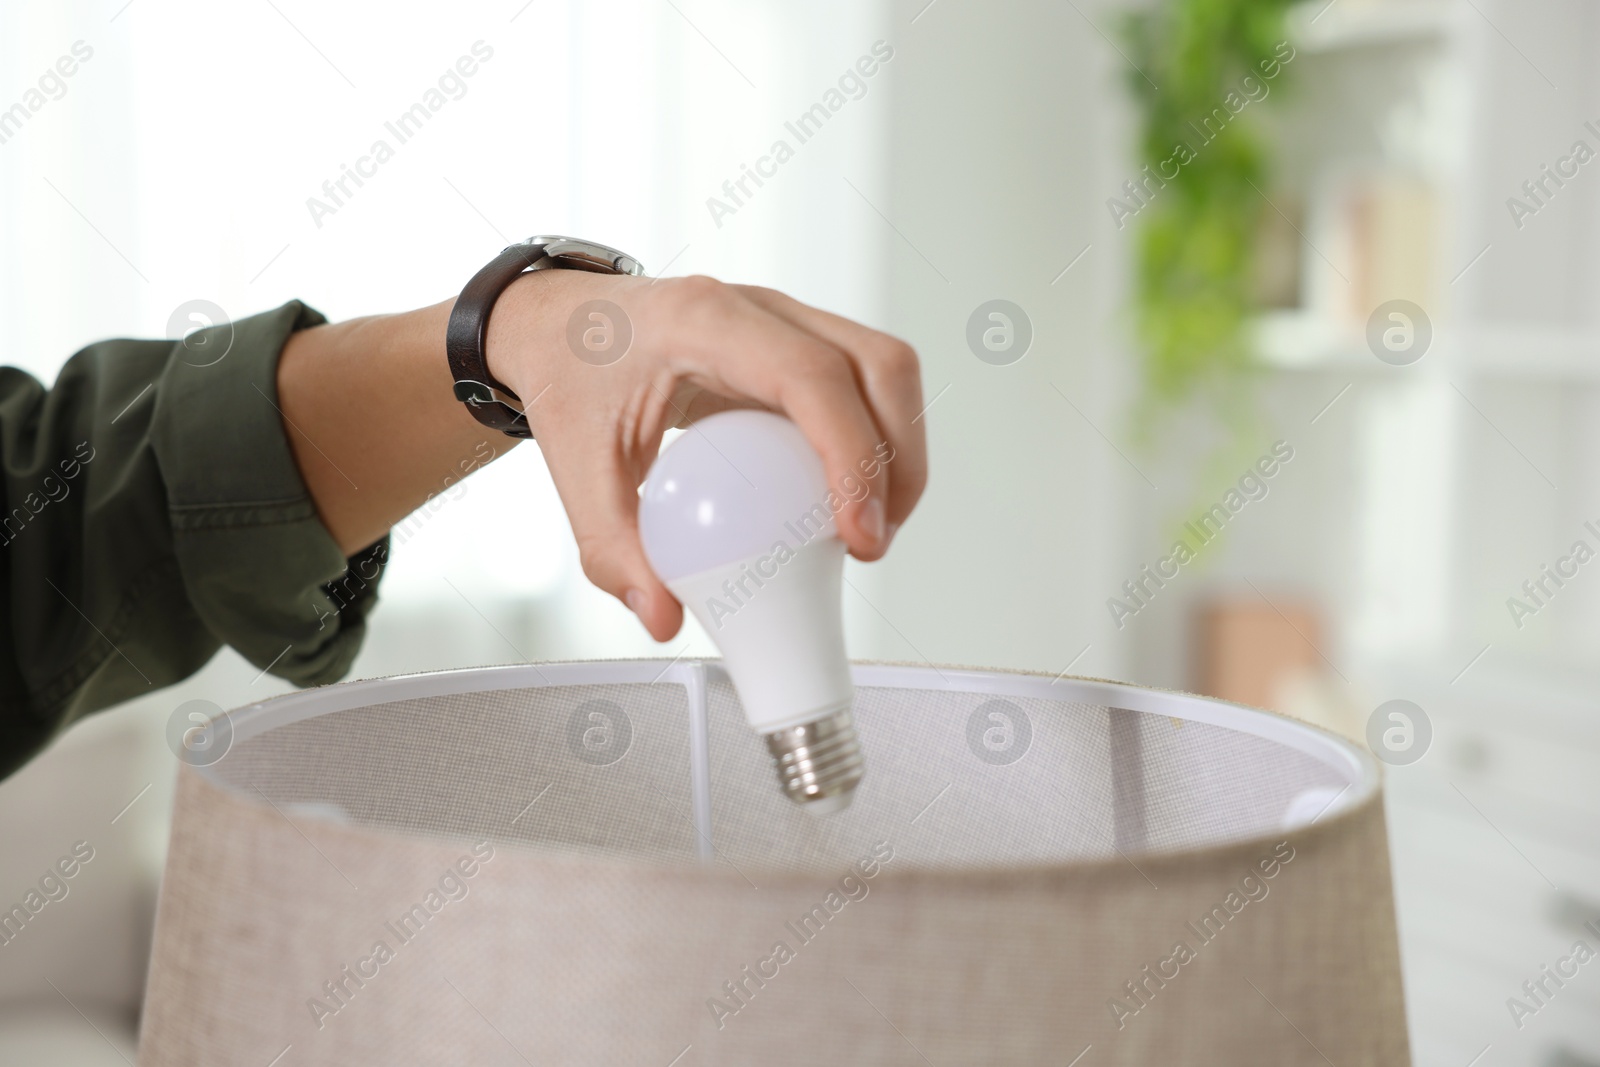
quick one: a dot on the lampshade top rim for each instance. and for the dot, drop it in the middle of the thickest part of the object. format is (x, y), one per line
(1354, 765)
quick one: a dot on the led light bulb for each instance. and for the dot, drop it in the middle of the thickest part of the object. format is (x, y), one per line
(736, 521)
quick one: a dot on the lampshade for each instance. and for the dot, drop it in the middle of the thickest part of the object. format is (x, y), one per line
(589, 864)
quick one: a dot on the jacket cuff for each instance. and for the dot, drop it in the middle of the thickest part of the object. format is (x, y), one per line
(261, 570)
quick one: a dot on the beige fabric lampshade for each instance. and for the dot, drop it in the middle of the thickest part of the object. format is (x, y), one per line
(591, 864)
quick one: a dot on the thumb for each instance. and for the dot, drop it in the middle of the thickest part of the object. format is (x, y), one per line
(602, 503)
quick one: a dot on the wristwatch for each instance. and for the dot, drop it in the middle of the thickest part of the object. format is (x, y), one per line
(490, 401)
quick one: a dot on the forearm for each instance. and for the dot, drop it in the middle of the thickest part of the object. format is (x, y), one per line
(375, 429)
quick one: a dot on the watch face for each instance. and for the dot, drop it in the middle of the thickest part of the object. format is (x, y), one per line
(587, 255)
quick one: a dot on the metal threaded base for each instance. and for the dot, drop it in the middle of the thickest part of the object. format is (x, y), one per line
(819, 763)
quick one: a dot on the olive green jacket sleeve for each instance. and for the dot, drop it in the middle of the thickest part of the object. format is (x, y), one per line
(153, 512)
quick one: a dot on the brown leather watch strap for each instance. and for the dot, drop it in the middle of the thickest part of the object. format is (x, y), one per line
(466, 341)
(467, 335)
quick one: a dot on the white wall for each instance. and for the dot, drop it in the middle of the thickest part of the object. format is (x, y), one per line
(1009, 129)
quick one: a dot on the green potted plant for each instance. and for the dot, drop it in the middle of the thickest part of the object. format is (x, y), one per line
(1203, 72)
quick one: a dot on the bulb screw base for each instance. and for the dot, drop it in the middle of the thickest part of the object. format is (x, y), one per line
(819, 763)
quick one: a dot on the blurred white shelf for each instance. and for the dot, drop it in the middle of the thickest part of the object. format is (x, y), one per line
(1510, 740)
(1301, 341)
(1324, 26)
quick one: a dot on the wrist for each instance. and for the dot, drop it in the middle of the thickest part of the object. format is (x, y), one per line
(367, 403)
(526, 338)
(495, 314)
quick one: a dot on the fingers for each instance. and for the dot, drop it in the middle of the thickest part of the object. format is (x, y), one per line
(746, 349)
(891, 381)
(600, 496)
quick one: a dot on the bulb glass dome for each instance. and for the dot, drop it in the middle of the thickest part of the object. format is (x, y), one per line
(731, 488)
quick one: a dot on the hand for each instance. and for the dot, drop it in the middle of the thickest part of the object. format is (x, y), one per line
(698, 347)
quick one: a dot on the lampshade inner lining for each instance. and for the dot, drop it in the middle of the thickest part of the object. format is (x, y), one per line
(956, 780)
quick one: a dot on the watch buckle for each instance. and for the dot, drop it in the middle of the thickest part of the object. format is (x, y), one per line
(480, 394)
